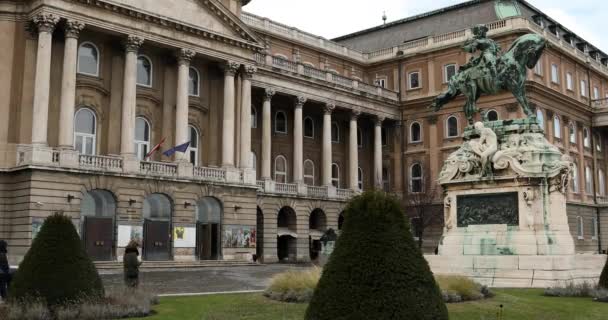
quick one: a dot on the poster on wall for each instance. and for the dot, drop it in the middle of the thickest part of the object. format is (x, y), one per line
(184, 237)
(128, 233)
(239, 237)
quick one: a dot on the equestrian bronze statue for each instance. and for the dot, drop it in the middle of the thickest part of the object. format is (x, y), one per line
(490, 72)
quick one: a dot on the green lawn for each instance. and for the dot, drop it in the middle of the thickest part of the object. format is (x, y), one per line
(518, 305)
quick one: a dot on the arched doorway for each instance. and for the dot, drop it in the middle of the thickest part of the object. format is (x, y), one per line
(208, 229)
(157, 227)
(286, 235)
(340, 220)
(317, 224)
(259, 249)
(97, 212)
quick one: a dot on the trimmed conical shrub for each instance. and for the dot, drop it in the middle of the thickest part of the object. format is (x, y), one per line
(56, 268)
(604, 277)
(376, 270)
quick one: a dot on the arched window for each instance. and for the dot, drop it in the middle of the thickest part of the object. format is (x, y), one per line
(601, 181)
(574, 183)
(540, 118)
(415, 132)
(144, 71)
(335, 175)
(572, 132)
(335, 132)
(557, 127)
(452, 127)
(492, 115)
(360, 178)
(416, 178)
(193, 149)
(142, 137)
(254, 117)
(359, 138)
(194, 83)
(586, 138)
(85, 129)
(280, 169)
(309, 172)
(588, 180)
(88, 59)
(580, 228)
(309, 128)
(280, 122)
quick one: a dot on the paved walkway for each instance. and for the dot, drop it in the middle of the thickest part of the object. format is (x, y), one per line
(205, 280)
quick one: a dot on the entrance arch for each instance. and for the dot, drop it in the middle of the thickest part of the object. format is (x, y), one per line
(208, 229)
(157, 211)
(317, 224)
(97, 211)
(259, 249)
(286, 235)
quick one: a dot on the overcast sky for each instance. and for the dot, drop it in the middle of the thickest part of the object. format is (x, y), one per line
(332, 18)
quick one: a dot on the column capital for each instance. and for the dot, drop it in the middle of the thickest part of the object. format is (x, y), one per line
(45, 22)
(73, 28)
(355, 114)
(378, 120)
(300, 101)
(231, 67)
(184, 56)
(329, 108)
(268, 94)
(132, 43)
(249, 70)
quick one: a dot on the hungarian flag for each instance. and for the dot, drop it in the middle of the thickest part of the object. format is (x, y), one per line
(156, 147)
(181, 148)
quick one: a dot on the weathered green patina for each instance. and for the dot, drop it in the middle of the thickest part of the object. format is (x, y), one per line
(490, 72)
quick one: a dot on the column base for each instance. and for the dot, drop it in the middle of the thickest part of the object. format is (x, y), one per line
(332, 192)
(130, 163)
(185, 169)
(249, 176)
(69, 158)
(302, 188)
(269, 185)
(233, 175)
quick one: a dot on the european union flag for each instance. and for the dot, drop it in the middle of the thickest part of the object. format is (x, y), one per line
(181, 148)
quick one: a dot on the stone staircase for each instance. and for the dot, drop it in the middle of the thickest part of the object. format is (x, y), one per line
(147, 266)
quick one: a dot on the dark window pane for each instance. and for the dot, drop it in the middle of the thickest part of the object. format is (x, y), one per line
(88, 58)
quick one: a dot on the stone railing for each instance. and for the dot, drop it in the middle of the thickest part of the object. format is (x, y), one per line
(283, 63)
(209, 174)
(260, 184)
(317, 192)
(100, 163)
(158, 168)
(344, 193)
(601, 103)
(314, 73)
(602, 200)
(286, 188)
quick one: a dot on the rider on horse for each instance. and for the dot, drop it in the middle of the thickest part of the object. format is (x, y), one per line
(489, 50)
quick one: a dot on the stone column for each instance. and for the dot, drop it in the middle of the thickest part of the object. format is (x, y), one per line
(129, 97)
(246, 161)
(378, 153)
(298, 142)
(266, 135)
(327, 153)
(353, 152)
(230, 69)
(45, 23)
(68, 84)
(182, 99)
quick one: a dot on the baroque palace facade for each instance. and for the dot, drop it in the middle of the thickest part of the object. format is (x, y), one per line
(284, 126)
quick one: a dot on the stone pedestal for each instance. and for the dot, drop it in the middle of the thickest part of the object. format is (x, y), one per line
(185, 169)
(233, 175)
(69, 158)
(130, 164)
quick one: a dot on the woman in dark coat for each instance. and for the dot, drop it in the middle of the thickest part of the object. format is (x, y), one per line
(5, 275)
(131, 264)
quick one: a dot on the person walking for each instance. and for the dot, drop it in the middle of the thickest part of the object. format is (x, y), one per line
(131, 264)
(5, 274)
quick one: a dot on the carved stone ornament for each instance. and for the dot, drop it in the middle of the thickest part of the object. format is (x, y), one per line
(329, 108)
(45, 22)
(231, 67)
(300, 101)
(378, 120)
(268, 94)
(133, 43)
(355, 114)
(73, 28)
(185, 56)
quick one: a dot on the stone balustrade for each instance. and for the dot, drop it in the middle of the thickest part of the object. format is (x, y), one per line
(286, 188)
(344, 193)
(100, 163)
(209, 174)
(158, 168)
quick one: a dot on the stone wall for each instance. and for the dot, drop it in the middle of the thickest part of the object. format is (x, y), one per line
(587, 243)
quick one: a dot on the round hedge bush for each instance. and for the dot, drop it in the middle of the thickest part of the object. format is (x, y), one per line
(376, 270)
(56, 268)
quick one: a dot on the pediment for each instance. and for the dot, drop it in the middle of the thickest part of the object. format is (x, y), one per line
(209, 15)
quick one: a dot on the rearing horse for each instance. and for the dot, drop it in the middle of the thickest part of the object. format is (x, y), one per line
(511, 76)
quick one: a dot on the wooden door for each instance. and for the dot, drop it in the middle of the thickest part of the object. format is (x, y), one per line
(99, 238)
(156, 240)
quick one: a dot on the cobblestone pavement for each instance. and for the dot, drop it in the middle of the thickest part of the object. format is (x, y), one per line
(211, 279)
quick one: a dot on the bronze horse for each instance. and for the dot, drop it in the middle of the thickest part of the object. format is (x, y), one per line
(510, 75)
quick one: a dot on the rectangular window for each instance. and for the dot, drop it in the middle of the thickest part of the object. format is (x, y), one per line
(538, 68)
(583, 88)
(569, 83)
(595, 228)
(380, 82)
(554, 73)
(448, 72)
(414, 80)
(596, 93)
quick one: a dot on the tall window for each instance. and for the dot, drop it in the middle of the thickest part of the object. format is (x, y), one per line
(538, 68)
(574, 183)
(280, 169)
(254, 117)
(557, 127)
(359, 138)
(586, 138)
(415, 132)
(360, 178)
(414, 80)
(449, 70)
(554, 73)
(144, 71)
(254, 161)
(572, 132)
(598, 143)
(193, 82)
(569, 82)
(88, 59)
(601, 181)
(335, 132)
(580, 228)
(540, 118)
(588, 180)
(309, 128)
(85, 129)
(280, 122)
(595, 230)
(193, 149)
(380, 82)
(416, 178)
(335, 175)
(142, 137)
(452, 127)
(596, 93)
(492, 115)
(309, 172)
(384, 136)
(583, 88)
